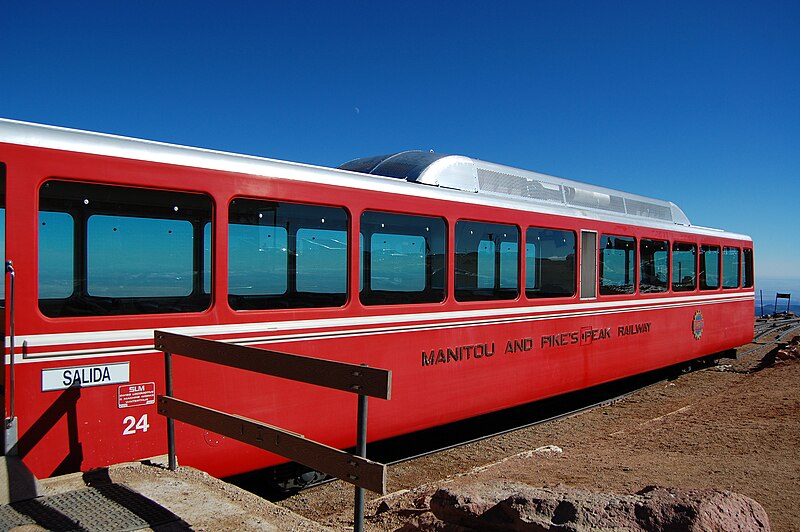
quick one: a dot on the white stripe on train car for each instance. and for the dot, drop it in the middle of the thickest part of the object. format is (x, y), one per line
(343, 327)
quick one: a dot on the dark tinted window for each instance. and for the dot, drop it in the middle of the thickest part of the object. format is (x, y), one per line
(402, 258)
(731, 267)
(549, 263)
(684, 266)
(653, 266)
(120, 250)
(617, 264)
(286, 255)
(207, 257)
(487, 261)
(709, 267)
(56, 255)
(747, 268)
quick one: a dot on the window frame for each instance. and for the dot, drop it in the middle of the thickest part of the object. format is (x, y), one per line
(738, 268)
(703, 270)
(539, 279)
(497, 292)
(677, 287)
(748, 267)
(641, 275)
(588, 264)
(434, 232)
(290, 217)
(83, 200)
(630, 267)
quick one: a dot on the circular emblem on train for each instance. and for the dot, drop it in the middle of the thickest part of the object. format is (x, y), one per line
(697, 325)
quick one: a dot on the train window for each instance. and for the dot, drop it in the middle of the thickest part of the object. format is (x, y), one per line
(549, 263)
(653, 266)
(487, 261)
(509, 265)
(56, 251)
(397, 262)
(617, 265)
(109, 250)
(747, 268)
(684, 266)
(402, 258)
(258, 261)
(588, 264)
(120, 248)
(730, 267)
(709, 267)
(286, 255)
(315, 248)
(207, 258)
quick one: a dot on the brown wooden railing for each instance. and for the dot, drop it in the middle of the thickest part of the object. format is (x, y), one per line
(361, 380)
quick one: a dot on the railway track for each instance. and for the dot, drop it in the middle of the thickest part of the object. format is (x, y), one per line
(763, 328)
(788, 332)
(772, 332)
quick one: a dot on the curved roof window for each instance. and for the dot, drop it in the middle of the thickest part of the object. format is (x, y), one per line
(406, 165)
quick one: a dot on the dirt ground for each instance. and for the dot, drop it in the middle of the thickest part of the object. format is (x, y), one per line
(734, 427)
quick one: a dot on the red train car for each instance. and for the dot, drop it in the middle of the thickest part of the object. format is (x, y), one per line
(480, 286)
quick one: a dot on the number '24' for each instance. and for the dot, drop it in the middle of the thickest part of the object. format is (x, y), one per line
(133, 425)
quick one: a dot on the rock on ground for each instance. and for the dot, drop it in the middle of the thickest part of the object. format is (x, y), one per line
(512, 506)
(789, 351)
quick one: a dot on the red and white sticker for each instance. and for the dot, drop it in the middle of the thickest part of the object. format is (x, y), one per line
(141, 394)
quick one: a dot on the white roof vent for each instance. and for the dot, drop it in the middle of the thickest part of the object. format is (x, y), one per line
(473, 175)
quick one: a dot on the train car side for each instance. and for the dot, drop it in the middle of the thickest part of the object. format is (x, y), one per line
(361, 269)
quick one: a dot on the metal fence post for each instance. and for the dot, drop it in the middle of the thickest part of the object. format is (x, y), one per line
(173, 463)
(361, 451)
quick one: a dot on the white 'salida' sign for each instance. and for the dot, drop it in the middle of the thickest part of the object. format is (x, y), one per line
(83, 376)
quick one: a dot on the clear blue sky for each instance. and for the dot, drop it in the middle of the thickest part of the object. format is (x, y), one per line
(695, 102)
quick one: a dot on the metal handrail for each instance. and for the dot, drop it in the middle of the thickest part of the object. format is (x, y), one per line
(11, 289)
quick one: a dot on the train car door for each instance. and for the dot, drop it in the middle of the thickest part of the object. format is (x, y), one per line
(588, 264)
(3, 302)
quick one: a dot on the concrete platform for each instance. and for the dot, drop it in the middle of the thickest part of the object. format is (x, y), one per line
(17, 483)
(146, 496)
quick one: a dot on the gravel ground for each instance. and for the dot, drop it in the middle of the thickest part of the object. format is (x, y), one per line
(735, 427)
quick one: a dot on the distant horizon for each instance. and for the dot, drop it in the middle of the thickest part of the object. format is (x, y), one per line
(795, 281)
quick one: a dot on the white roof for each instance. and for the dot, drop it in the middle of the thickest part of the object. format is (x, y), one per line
(473, 175)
